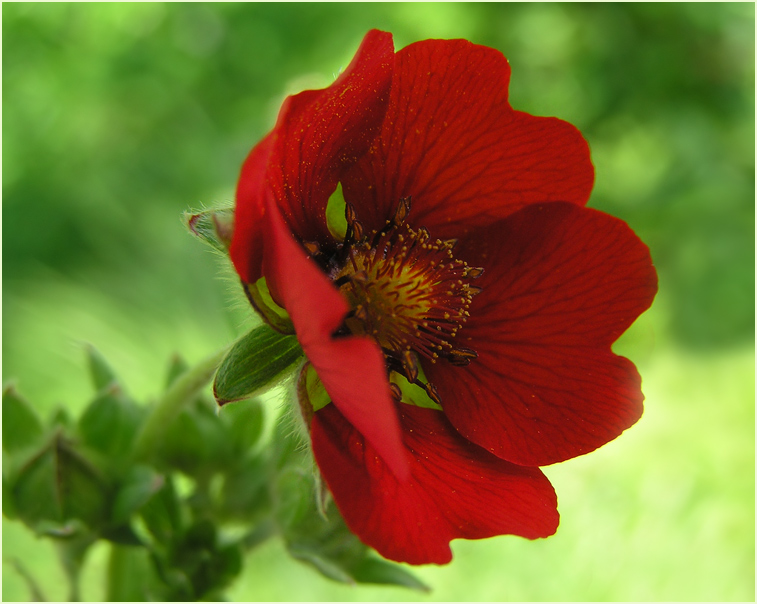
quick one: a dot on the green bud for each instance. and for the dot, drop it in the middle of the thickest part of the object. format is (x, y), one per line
(214, 227)
(58, 484)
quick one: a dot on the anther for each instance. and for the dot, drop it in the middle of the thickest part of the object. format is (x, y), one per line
(312, 247)
(433, 393)
(460, 357)
(396, 392)
(403, 209)
(410, 365)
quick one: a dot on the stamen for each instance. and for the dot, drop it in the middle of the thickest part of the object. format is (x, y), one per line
(407, 291)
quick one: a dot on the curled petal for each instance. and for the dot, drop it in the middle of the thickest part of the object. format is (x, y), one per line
(457, 489)
(452, 142)
(318, 136)
(351, 368)
(561, 283)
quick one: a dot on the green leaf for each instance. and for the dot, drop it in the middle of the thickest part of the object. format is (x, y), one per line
(162, 515)
(214, 227)
(257, 361)
(22, 427)
(58, 484)
(196, 443)
(372, 569)
(110, 423)
(100, 372)
(139, 486)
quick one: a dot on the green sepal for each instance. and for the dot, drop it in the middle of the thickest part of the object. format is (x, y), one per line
(58, 484)
(256, 362)
(101, 373)
(214, 227)
(22, 427)
(260, 297)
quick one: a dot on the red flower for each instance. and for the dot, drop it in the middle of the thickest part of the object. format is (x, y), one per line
(508, 327)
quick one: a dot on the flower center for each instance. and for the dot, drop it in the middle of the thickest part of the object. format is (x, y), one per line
(407, 291)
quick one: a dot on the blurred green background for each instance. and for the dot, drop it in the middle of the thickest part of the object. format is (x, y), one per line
(117, 117)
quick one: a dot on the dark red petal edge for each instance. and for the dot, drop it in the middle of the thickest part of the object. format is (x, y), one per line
(318, 136)
(561, 284)
(457, 489)
(452, 142)
(352, 369)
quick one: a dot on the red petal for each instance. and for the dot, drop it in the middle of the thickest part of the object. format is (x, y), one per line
(457, 489)
(352, 369)
(452, 142)
(561, 283)
(318, 136)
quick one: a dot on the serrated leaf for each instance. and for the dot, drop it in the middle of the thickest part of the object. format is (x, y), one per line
(101, 373)
(22, 427)
(110, 423)
(257, 361)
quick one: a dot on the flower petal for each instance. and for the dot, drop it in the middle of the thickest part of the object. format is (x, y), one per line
(452, 142)
(561, 283)
(457, 490)
(318, 136)
(352, 369)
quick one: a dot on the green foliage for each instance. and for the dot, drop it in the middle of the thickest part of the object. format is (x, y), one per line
(180, 517)
(22, 427)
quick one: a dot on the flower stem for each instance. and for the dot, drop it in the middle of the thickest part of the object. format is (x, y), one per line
(179, 394)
